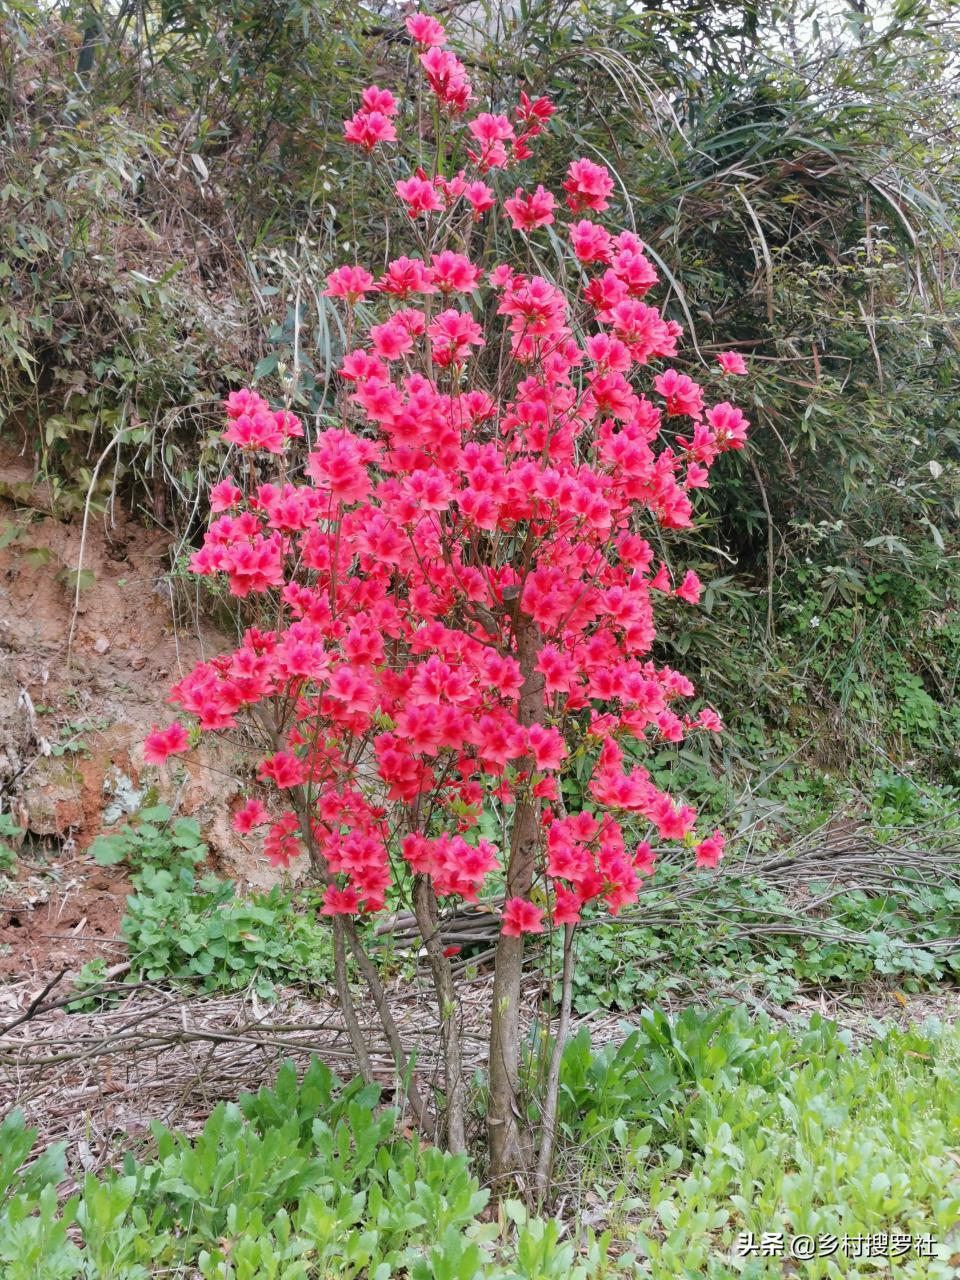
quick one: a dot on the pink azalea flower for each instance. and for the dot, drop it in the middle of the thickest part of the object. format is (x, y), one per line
(381, 100)
(368, 129)
(338, 464)
(252, 814)
(634, 270)
(591, 242)
(225, 495)
(391, 340)
(690, 588)
(350, 282)
(281, 846)
(447, 77)
(529, 211)
(161, 743)
(682, 394)
(245, 401)
(729, 426)
(340, 902)
(521, 916)
(710, 851)
(479, 196)
(698, 477)
(453, 272)
(452, 334)
(419, 195)
(534, 114)
(283, 769)
(425, 30)
(259, 431)
(644, 859)
(547, 746)
(566, 909)
(405, 276)
(491, 132)
(360, 366)
(588, 186)
(731, 362)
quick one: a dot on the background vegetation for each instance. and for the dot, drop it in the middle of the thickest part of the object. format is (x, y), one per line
(174, 189)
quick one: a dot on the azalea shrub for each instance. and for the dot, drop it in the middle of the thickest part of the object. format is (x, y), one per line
(450, 583)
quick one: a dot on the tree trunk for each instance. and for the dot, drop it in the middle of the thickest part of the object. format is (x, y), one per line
(511, 1148)
(345, 930)
(368, 971)
(451, 1017)
(548, 1118)
(347, 1008)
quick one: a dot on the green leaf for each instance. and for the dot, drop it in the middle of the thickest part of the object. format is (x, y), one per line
(107, 851)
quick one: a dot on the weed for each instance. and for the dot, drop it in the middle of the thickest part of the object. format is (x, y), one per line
(303, 1179)
(734, 930)
(185, 927)
(10, 833)
(715, 1123)
(691, 1131)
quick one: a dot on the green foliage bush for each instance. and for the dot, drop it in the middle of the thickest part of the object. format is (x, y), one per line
(714, 1123)
(181, 927)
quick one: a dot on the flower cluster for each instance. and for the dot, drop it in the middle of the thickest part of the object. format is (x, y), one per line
(461, 586)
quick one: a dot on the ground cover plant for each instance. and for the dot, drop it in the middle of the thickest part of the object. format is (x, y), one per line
(683, 1145)
(742, 933)
(187, 927)
(770, 1130)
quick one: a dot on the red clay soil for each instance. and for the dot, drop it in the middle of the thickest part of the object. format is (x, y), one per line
(44, 929)
(71, 732)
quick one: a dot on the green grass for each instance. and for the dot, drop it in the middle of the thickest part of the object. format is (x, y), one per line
(697, 1130)
(690, 1132)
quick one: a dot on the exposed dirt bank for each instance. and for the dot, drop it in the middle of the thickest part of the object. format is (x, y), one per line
(73, 717)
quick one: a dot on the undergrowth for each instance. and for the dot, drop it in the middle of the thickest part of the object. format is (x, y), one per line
(674, 1143)
(731, 931)
(296, 1181)
(799, 926)
(186, 927)
(697, 1129)
(734, 933)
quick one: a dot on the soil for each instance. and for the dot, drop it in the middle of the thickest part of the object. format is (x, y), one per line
(46, 928)
(73, 717)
